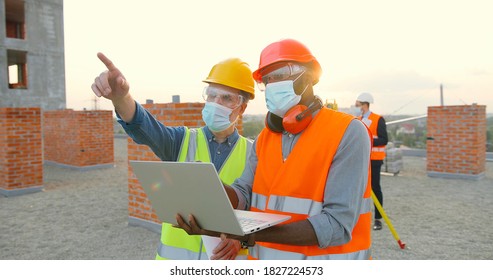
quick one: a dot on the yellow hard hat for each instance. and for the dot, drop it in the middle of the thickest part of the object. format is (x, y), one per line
(235, 73)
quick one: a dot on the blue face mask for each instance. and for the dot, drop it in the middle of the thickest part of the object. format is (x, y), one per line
(355, 111)
(216, 116)
(280, 96)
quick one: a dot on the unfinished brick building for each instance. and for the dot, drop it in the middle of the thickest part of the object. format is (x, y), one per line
(32, 62)
(35, 127)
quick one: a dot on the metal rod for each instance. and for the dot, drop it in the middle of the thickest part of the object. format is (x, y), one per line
(407, 119)
(441, 95)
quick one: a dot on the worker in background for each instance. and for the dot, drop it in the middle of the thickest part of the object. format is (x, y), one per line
(378, 129)
(309, 162)
(229, 88)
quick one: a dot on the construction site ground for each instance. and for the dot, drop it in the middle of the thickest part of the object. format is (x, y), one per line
(83, 215)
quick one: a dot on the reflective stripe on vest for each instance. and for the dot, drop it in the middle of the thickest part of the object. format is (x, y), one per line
(185, 144)
(176, 243)
(176, 253)
(280, 186)
(266, 253)
(296, 205)
(378, 150)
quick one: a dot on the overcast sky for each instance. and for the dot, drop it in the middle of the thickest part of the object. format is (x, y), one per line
(400, 51)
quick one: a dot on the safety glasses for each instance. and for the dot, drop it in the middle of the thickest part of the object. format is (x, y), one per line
(279, 73)
(222, 97)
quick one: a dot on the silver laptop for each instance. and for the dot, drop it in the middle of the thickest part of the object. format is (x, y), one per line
(195, 188)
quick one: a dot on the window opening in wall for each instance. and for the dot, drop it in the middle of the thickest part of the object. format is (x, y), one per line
(17, 69)
(15, 19)
(13, 74)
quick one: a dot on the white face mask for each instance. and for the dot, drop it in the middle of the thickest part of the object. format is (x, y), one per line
(216, 116)
(280, 96)
(356, 111)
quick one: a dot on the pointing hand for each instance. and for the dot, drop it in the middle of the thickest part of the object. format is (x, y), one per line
(111, 83)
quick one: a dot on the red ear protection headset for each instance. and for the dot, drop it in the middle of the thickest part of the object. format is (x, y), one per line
(295, 120)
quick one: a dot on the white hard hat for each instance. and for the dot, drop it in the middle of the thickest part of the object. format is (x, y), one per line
(365, 97)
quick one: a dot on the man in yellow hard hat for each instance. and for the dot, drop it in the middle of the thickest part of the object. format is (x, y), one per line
(229, 88)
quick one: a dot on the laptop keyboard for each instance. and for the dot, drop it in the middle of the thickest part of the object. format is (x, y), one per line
(250, 222)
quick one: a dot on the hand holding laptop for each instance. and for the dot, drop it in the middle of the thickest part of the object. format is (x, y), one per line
(172, 190)
(192, 228)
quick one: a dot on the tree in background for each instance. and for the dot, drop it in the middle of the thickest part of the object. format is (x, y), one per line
(252, 125)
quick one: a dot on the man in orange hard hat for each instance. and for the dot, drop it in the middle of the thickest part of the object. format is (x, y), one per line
(229, 87)
(378, 129)
(309, 162)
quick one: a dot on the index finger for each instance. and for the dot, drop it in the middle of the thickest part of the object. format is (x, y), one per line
(109, 64)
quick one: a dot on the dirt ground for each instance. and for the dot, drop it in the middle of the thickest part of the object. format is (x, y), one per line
(83, 215)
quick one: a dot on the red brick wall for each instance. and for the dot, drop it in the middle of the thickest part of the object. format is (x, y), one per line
(21, 152)
(170, 114)
(60, 136)
(78, 138)
(459, 145)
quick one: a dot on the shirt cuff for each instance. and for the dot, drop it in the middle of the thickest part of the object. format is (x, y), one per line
(241, 200)
(322, 228)
(136, 121)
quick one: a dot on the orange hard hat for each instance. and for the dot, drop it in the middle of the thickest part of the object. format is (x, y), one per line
(287, 50)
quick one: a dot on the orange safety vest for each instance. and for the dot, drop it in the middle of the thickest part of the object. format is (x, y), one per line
(378, 152)
(296, 187)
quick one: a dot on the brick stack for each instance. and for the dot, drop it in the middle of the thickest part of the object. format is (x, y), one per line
(171, 114)
(78, 139)
(457, 141)
(21, 152)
